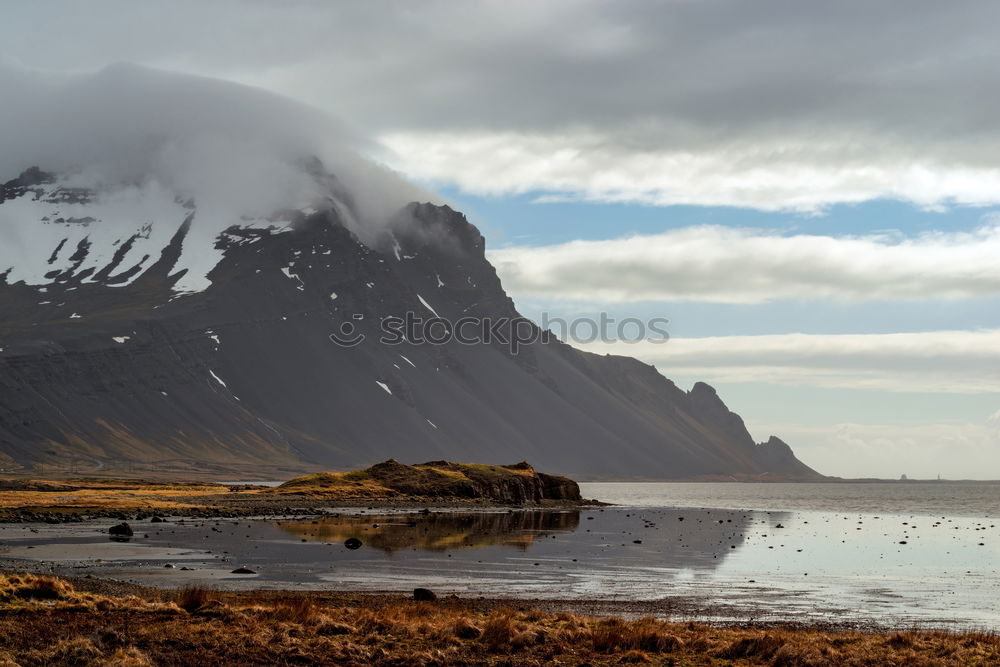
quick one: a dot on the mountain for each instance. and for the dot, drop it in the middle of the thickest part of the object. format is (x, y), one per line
(136, 336)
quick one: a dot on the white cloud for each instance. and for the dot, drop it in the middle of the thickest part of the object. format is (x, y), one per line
(726, 265)
(217, 141)
(786, 172)
(962, 362)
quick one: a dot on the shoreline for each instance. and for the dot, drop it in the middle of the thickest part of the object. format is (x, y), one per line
(713, 566)
(279, 508)
(80, 499)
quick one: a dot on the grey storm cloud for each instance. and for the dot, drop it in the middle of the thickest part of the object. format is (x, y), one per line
(715, 67)
(772, 104)
(694, 71)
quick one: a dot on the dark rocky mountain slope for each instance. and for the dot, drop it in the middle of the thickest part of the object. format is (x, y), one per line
(105, 366)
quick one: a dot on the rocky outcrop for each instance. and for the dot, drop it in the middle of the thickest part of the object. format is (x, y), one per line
(557, 487)
(775, 454)
(514, 484)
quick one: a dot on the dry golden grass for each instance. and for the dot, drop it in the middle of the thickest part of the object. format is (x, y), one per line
(46, 621)
(106, 495)
(334, 485)
(26, 592)
(193, 598)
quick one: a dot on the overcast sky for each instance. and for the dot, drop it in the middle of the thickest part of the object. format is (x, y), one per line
(809, 191)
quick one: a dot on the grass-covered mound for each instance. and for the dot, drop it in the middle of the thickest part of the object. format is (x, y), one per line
(518, 483)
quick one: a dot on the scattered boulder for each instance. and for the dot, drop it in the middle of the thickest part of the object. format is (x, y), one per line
(352, 543)
(424, 595)
(243, 570)
(121, 530)
(557, 487)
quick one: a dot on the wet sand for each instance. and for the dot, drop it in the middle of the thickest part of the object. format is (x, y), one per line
(713, 565)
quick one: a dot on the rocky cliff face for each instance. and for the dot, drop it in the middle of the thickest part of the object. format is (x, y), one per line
(106, 367)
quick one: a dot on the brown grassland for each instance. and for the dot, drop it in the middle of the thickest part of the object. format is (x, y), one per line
(68, 498)
(49, 621)
(389, 482)
(73, 496)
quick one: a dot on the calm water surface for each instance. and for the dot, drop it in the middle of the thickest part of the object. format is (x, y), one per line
(917, 554)
(971, 499)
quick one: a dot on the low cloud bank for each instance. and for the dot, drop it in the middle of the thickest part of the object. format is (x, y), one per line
(725, 265)
(229, 146)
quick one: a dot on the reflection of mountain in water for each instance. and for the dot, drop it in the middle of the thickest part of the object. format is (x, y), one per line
(443, 531)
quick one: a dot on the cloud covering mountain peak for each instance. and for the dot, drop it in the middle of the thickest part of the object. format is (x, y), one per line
(143, 143)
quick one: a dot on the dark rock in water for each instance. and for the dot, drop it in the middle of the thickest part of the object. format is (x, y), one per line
(121, 530)
(424, 595)
(157, 519)
(352, 543)
(243, 570)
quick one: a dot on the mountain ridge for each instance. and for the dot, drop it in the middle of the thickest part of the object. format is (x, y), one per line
(98, 369)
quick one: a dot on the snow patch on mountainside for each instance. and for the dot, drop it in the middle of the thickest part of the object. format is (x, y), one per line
(44, 233)
(427, 305)
(76, 228)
